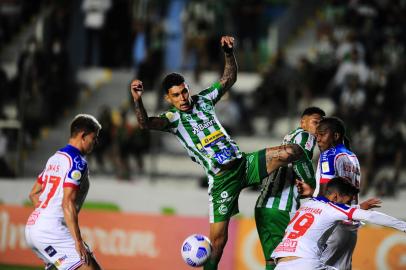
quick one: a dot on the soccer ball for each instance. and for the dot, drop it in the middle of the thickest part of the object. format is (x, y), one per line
(196, 250)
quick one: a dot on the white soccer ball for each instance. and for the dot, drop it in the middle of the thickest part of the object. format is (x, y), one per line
(196, 250)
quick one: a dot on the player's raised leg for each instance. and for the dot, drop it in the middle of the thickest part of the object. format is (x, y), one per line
(218, 237)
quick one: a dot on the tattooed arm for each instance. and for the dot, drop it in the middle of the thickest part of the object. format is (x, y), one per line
(144, 121)
(229, 76)
(282, 155)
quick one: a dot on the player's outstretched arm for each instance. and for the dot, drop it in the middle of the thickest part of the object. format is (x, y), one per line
(379, 218)
(304, 189)
(144, 121)
(72, 222)
(229, 76)
(370, 203)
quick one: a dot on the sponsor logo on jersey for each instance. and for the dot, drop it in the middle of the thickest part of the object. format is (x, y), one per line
(76, 175)
(50, 251)
(212, 139)
(60, 261)
(309, 144)
(223, 209)
(287, 245)
(223, 155)
(325, 167)
(225, 197)
(200, 127)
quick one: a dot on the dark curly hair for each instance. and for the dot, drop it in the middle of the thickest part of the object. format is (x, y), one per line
(336, 125)
(172, 79)
(341, 185)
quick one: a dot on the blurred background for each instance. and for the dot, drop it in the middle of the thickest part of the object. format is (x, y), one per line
(60, 58)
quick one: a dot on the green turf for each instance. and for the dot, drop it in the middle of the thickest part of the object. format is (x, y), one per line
(14, 267)
(168, 211)
(103, 206)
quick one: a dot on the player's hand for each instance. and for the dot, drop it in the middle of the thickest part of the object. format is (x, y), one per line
(227, 43)
(305, 190)
(136, 89)
(82, 251)
(370, 203)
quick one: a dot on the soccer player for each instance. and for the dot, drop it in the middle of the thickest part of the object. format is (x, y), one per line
(279, 198)
(307, 231)
(193, 121)
(52, 230)
(337, 160)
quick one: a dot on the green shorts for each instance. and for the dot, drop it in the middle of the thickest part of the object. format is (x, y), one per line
(271, 224)
(225, 187)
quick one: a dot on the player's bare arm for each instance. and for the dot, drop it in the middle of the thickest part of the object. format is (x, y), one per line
(304, 189)
(229, 76)
(144, 121)
(281, 155)
(286, 153)
(370, 203)
(72, 221)
(34, 193)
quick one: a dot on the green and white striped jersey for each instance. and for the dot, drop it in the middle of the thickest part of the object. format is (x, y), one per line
(200, 132)
(279, 190)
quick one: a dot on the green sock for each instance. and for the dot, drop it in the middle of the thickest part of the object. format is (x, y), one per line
(210, 265)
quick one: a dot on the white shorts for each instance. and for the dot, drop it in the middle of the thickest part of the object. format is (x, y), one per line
(51, 240)
(303, 264)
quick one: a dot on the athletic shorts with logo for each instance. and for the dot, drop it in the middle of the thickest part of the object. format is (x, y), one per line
(227, 185)
(51, 240)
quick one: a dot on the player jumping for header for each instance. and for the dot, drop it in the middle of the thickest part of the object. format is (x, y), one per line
(193, 121)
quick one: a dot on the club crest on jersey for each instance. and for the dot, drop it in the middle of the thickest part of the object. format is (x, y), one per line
(187, 117)
(76, 175)
(206, 107)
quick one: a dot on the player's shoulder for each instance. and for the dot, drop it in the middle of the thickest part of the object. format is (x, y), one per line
(75, 158)
(172, 114)
(294, 134)
(343, 152)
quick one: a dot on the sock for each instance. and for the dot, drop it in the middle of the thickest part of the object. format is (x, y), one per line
(210, 265)
(270, 266)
